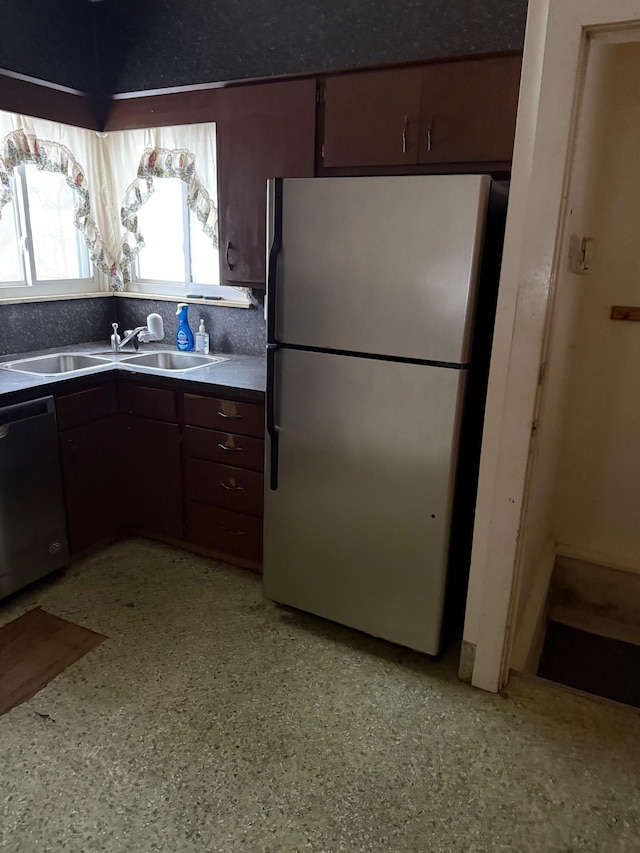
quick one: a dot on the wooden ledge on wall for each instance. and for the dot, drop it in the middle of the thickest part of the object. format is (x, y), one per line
(49, 101)
(625, 312)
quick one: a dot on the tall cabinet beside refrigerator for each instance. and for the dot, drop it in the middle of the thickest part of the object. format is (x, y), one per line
(380, 303)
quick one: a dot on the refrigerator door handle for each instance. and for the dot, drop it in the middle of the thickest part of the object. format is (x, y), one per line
(275, 192)
(272, 429)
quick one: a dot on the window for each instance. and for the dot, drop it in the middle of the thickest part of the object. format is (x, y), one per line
(169, 213)
(177, 251)
(39, 243)
(82, 213)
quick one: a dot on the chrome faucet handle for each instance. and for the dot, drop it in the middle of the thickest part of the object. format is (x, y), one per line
(153, 331)
(115, 338)
(131, 335)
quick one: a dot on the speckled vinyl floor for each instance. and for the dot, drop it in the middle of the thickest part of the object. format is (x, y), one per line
(211, 720)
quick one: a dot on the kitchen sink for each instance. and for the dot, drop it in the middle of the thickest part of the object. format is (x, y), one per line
(55, 365)
(172, 361)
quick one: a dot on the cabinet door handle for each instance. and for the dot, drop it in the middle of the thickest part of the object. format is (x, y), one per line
(226, 254)
(231, 488)
(232, 531)
(430, 134)
(404, 135)
(225, 448)
(234, 417)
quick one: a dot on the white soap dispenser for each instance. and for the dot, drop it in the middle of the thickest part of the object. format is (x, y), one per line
(202, 338)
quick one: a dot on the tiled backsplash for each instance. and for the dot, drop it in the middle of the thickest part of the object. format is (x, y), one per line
(28, 326)
(233, 330)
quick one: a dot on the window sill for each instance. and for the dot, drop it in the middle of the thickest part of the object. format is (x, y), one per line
(163, 297)
(53, 297)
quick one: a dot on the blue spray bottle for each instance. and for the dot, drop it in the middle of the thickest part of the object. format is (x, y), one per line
(184, 335)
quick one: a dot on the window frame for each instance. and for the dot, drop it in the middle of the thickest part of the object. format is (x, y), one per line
(31, 287)
(180, 289)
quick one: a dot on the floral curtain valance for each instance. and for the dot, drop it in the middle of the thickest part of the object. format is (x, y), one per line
(18, 148)
(163, 163)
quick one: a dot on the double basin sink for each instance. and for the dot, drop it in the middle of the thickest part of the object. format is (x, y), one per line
(64, 363)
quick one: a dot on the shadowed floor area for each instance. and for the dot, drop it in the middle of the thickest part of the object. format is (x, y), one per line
(588, 662)
(213, 720)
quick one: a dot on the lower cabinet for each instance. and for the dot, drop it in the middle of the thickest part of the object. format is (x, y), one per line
(88, 466)
(235, 537)
(151, 488)
(145, 460)
(150, 442)
(89, 429)
(223, 477)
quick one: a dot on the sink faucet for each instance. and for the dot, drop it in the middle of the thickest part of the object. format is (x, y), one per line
(153, 331)
(131, 336)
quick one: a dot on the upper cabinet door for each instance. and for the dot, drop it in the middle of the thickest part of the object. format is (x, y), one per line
(265, 131)
(468, 111)
(371, 119)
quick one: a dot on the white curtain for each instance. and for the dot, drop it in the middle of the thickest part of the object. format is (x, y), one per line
(78, 155)
(113, 174)
(137, 157)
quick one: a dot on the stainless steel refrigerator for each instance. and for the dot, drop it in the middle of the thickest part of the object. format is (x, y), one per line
(371, 306)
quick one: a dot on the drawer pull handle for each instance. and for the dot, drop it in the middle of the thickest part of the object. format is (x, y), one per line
(232, 488)
(234, 417)
(224, 447)
(232, 531)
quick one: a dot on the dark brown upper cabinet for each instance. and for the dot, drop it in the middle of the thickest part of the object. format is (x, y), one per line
(372, 118)
(458, 112)
(468, 110)
(265, 131)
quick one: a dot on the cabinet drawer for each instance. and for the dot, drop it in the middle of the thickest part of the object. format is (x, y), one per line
(224, 486)
(73, 410)
(229, 533)
(238, 418)
(155, 403)
(240, 451)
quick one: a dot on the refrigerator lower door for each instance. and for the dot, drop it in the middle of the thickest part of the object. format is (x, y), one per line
(357, 530)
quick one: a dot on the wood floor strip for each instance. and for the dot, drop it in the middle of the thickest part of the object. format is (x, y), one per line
(34, 649)
(23, 634)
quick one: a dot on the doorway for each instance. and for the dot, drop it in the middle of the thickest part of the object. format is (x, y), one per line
(585, 477)
(558, 465)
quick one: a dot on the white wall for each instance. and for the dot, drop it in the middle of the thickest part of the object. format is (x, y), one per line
(554, 415)
(584, 487)
(596, 512)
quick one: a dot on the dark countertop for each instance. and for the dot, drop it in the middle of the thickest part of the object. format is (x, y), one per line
(242, 376)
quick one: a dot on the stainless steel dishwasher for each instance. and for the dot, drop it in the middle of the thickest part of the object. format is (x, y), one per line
(33, 537)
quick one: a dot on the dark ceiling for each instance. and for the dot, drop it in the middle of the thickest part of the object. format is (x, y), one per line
(134, 45)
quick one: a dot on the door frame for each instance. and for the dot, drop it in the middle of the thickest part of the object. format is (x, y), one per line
(554, 64)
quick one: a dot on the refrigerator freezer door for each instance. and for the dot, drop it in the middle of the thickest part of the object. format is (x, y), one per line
(382, 265)
(357, 530)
